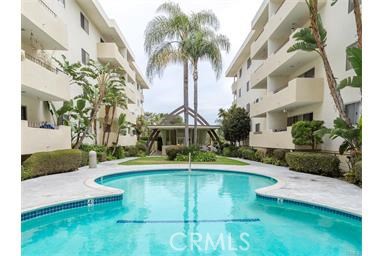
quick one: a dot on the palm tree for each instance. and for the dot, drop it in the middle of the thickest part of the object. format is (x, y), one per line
(314, 39)
(115, 98)
(122, 126)
(164, 39)
(204, 44)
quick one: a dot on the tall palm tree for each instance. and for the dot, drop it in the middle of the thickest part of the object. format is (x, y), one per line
(204, 45)
(314, 39)
(164, 39)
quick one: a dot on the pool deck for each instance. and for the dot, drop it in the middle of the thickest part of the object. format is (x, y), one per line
(72, 186)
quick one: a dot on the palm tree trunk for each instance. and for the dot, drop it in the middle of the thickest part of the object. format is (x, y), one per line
(332, 83)
(186, 129)
(95, 129)
(195, 78)
(111, 123)
(117, 141)
(105, 124)
(359, 26)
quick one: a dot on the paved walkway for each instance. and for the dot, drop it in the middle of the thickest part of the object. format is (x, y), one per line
(65, 187)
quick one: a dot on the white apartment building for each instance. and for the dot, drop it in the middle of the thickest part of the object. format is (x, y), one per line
(280, 88)
(80, 30)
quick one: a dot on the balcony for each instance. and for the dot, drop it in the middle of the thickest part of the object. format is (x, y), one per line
(269, 139)
(131, 117)
(38, 20)
(281, 63)
(109, 53)
(42, 80)
(131, 95)
(40, 139)
(299, 92)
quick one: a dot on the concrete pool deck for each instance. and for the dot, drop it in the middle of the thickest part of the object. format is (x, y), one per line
(77, 185)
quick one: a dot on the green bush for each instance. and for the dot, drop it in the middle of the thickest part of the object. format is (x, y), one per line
(197, 156)
(231, 151)
(355, 175)
(259, 156)
(91, 147)
(246, 153)
(119, 152)
(315, 163)
(269, 160)
(84, 158)
(279, 154)
(45, 163)
(101, 156)
(141, 147)
(172, 151)
(131, 151)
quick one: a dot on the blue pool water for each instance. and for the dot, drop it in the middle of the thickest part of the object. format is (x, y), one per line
(205, 213)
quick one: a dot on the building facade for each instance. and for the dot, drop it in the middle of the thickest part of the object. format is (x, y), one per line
(280, 88)
(80, 30)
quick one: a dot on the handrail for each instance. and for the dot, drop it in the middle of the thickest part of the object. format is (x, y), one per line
(41, 63)
(48, 8)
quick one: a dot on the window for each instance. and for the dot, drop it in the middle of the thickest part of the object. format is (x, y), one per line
(23, 112)
(248, 107)
(348, 65)
(304, 117)
(84, 57)
(240, 72)
(249, 63)
(62, 2)
(353, 111)
(310, 73)
(351, 5)
(239, 92)
(84, 23)
(257, 127)
(248, 86)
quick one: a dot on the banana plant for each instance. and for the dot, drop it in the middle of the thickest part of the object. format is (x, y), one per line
(355, 58)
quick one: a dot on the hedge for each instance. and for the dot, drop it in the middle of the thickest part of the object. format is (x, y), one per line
(246, 153)
(314, 163)
(172, 151)
(45, 163)
(231, 151)
(197, 157)
(101, 156)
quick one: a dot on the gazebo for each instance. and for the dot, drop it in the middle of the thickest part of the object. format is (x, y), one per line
(165, 135)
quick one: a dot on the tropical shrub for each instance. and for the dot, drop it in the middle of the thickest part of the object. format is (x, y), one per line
(45, 163)
(304, 133)
(231, 151)
(235, 123)
(119, 152)
(172, 151)
(279, 154)
(270, 160)
(259, 156)
(315, 163)
(246, 153)
(355, 174)
(131, 151)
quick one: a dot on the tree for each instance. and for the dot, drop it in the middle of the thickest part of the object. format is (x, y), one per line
(235, 124)
(314, 39)
(122, 126)
(355, 58)
(114, 98)
(140, 126)
(94, 79)
(205, 45)
(165, 38)
(304, 133)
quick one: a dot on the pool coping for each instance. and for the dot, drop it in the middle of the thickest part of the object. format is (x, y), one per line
(109, 193)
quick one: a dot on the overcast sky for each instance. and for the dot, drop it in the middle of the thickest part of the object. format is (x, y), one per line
(166, 92)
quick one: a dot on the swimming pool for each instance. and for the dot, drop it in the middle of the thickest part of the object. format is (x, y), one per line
(200, 213)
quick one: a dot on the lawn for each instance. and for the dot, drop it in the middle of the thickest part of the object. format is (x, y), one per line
(163, 160)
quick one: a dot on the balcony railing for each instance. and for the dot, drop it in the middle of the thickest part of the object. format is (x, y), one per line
(41, 63)
(47, 8)
(42, 125)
